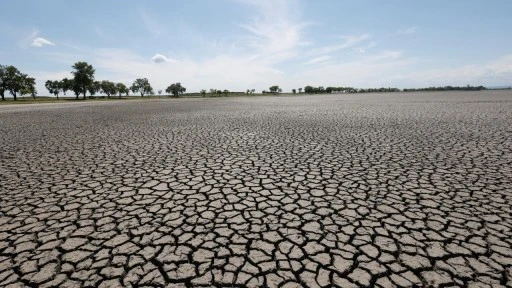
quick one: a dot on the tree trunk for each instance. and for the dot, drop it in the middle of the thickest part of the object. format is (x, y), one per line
(14, 95)
(3, 96)
(57, 96)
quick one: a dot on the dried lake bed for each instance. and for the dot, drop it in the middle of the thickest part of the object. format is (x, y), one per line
(346, 190)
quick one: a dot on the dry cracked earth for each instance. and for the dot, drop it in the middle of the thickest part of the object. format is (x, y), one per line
(382, 190)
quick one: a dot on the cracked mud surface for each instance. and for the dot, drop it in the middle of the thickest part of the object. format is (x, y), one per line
(385, 190)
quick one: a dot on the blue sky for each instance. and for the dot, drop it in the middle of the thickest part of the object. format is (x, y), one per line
(245, 44)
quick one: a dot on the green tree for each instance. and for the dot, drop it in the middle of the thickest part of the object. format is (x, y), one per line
(176, 89)
(94, 88)
(159, 91)
(83, 76)
(29, 86)
(142, 86)
(253, 90)
(294, 91)
(14, 80)
(2, 82)
(274, 89)
(300, 90)
(203, 93)
(54, 87)
(66, 85)
(49, 86)
(108, 87)
(226, 92)
(122, 89)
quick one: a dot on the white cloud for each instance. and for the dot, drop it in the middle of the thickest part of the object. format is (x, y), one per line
(320, 59)
(275, 34)
(496, 72)
(349, 41)
(27, 40)
(159, 58)
(221, 72)
(40, 42)
(364, 49)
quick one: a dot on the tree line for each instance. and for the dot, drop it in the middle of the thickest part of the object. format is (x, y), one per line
(448, 88)
(83, 82)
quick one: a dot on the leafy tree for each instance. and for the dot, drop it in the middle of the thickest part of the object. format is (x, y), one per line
(253, 90)
(122, 89)
(83, 76)
(176, 89)
(294, 91)
(274, 89)
(70, 85)
(14, 80)
(54, 87)
(94, 88)
(300, 90)
(142, 86)
(280, 90)
(159, 91)
(66, 85)
(75, 88)
(226, 92)
(28, 86)
(108, 87)
(203, 93)
(49, 86)
(213, 91)
(2, 82)
(219, 92)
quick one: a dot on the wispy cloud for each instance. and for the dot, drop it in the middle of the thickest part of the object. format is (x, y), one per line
(348, 41)
(159, 58)
(495, 72)
(320, 59)
(364, 49)
(26, 41)
(275, 34)
(40, 42)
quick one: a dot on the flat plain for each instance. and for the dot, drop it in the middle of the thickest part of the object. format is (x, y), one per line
(347, 190)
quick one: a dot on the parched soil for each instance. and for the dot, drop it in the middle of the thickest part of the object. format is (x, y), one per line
(377, 190)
